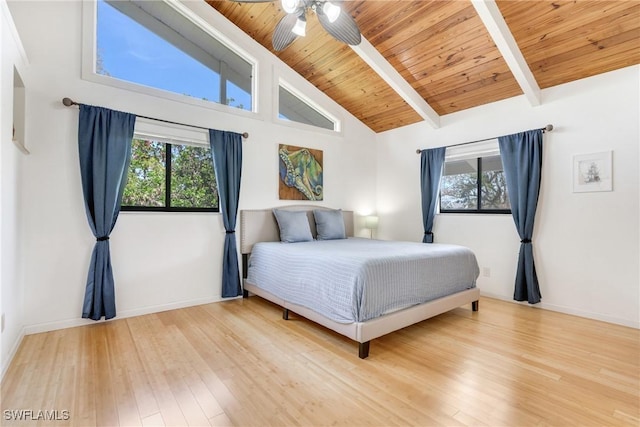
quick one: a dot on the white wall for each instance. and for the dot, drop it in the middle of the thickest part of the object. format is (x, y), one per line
(161, 260)
(11, 293)
(586, 245)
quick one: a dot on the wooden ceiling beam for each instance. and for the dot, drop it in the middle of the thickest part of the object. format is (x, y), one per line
(491, 16)
(385, 70)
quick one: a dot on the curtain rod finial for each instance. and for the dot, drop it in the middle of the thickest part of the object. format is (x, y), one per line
(245, 135)
(67, 102)
(548, 128)
(418, 151)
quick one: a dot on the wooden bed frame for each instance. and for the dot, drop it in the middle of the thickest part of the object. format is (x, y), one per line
(260, 226)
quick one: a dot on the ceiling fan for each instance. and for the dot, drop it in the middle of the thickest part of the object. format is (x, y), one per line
(338, 24)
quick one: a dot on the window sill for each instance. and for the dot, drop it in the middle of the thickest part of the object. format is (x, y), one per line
(465, 213)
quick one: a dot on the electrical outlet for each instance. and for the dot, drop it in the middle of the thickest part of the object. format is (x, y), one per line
(486, 272)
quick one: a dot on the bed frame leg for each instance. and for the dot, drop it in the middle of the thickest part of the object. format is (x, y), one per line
(285, 314)
(474, 305)
(363, 350)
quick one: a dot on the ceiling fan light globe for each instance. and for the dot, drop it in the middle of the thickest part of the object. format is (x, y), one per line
(289, 6)
(331, 10)
(300, 27)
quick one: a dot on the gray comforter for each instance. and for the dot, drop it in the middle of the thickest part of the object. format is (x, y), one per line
(354, 280)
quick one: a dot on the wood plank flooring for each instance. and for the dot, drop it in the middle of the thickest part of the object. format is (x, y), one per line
(239, 363)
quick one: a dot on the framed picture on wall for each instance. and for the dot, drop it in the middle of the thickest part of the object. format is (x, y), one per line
(593, 172)
(301, 173)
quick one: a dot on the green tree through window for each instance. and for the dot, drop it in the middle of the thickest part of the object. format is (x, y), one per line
(193, 182)
(146, 180)
(184, 180)
(474, 186)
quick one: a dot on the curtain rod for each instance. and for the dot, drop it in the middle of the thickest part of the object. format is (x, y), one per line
(68, 102)
(547, 128)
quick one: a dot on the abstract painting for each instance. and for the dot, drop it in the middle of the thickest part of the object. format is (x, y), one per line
(300, 172)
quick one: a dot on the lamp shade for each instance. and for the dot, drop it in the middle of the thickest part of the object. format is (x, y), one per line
(299, 27)
(289, 6)
(371, 222)
(331, 10)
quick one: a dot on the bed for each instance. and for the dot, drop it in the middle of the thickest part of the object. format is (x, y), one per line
(346, 284)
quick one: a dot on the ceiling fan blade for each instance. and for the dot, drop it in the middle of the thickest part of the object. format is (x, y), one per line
(343, 29)
(282, 35)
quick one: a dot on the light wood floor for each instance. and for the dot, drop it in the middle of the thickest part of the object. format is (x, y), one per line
(238, 363)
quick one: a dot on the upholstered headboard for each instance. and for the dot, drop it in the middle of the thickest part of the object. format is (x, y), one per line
(261, 226)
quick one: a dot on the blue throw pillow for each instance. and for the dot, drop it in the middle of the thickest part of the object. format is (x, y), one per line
(294, 226)
(329, 224)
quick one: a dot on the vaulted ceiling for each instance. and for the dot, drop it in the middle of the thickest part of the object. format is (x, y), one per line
(420, 60)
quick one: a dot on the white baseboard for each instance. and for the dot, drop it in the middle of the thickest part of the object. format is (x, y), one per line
(568, 310)
(71, 323)
(12, 353)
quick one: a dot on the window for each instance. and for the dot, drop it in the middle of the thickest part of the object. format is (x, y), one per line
(19, 112)
(475, 185)
(151, 44)
(170, 177)
(294, 108)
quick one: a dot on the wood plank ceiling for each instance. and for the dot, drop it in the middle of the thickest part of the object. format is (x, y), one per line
(444, 51)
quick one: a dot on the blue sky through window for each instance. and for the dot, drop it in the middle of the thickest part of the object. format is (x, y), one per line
(238, 97)
(130, 52)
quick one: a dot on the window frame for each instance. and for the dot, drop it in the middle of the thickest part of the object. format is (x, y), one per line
(170, 134)
(281, 82)
(479, 209)
(90, 48)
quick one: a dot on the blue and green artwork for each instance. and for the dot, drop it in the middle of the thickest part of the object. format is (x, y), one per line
(300, 173)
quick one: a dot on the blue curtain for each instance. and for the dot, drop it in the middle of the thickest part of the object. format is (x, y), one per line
(227, 162)
(522, 160)
(104, 146)
(431, 163)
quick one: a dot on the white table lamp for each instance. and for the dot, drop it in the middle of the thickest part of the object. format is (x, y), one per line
(371, 222)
